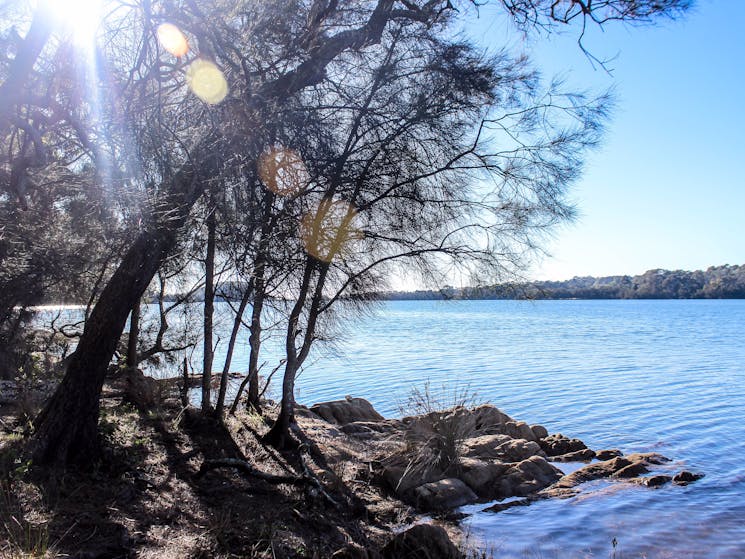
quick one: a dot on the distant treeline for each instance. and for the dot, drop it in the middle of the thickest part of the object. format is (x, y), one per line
(716, 282)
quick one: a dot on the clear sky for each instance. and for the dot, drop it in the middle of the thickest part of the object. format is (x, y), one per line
(667, 188)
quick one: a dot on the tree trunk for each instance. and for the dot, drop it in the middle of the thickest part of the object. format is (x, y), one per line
(66, 431)
(134, 336)
(280, 436)
(255, 343)
(209, 308)
(229, 357)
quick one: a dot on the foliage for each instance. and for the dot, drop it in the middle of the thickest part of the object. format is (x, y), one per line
(434, 439)
(716, 282)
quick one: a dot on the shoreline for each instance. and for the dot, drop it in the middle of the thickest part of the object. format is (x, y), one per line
(373, 477)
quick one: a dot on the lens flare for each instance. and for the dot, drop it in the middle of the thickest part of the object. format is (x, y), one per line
(330, 230)
(207, 81)
(282, 171)
(172, 39)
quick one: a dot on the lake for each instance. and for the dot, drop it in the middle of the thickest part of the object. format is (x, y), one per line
(663, 376)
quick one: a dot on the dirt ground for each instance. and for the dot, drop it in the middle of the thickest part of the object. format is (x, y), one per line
(146, 499)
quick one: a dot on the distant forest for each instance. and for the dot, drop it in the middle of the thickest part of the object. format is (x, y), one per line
(716, 282)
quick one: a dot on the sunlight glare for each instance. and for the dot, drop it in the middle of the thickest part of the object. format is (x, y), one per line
(330, 230)
(80, 17)
(172, 39)
(207, 81)
(282, 171)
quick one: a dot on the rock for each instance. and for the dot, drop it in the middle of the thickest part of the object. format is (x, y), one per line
(685, 477)
(402, 476)
(594, 471)
(632, 470)
(656, 481)
(526, 477)
(519, 430)
(499, 507)
(648, 457)
(558, 444)
(444, 494)
(618, 467)
(584, 455)
(501, 447)
(489, 419)
(482, 475)
(423, 541)
(346, 411)
(608, 454)
(539, 431)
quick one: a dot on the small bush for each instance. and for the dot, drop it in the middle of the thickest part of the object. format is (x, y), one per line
(434, 439)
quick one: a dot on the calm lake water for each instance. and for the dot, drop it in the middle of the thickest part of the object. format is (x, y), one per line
(664, 376)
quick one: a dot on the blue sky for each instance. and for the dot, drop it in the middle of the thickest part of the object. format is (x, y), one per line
(667, 188)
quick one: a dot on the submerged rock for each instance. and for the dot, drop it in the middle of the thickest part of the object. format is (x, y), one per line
(632, 470)
(608, 454)
(499, 507)
(685, 477)
(597, 470)
(346, 411)
(653, 481)
(620, 467)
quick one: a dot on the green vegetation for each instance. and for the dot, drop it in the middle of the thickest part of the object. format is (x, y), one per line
(716, 282)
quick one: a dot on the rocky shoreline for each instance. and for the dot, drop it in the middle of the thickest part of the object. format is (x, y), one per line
(365, 486)
(443, 460)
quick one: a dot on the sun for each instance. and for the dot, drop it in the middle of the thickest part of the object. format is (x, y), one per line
(80, 18)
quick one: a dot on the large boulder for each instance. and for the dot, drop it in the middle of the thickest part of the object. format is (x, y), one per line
(403, 475)
(346, 411)
(501, 447)
(445, 494)
(482, 475)
(423, 541)
(526, 477)
(519, 430)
